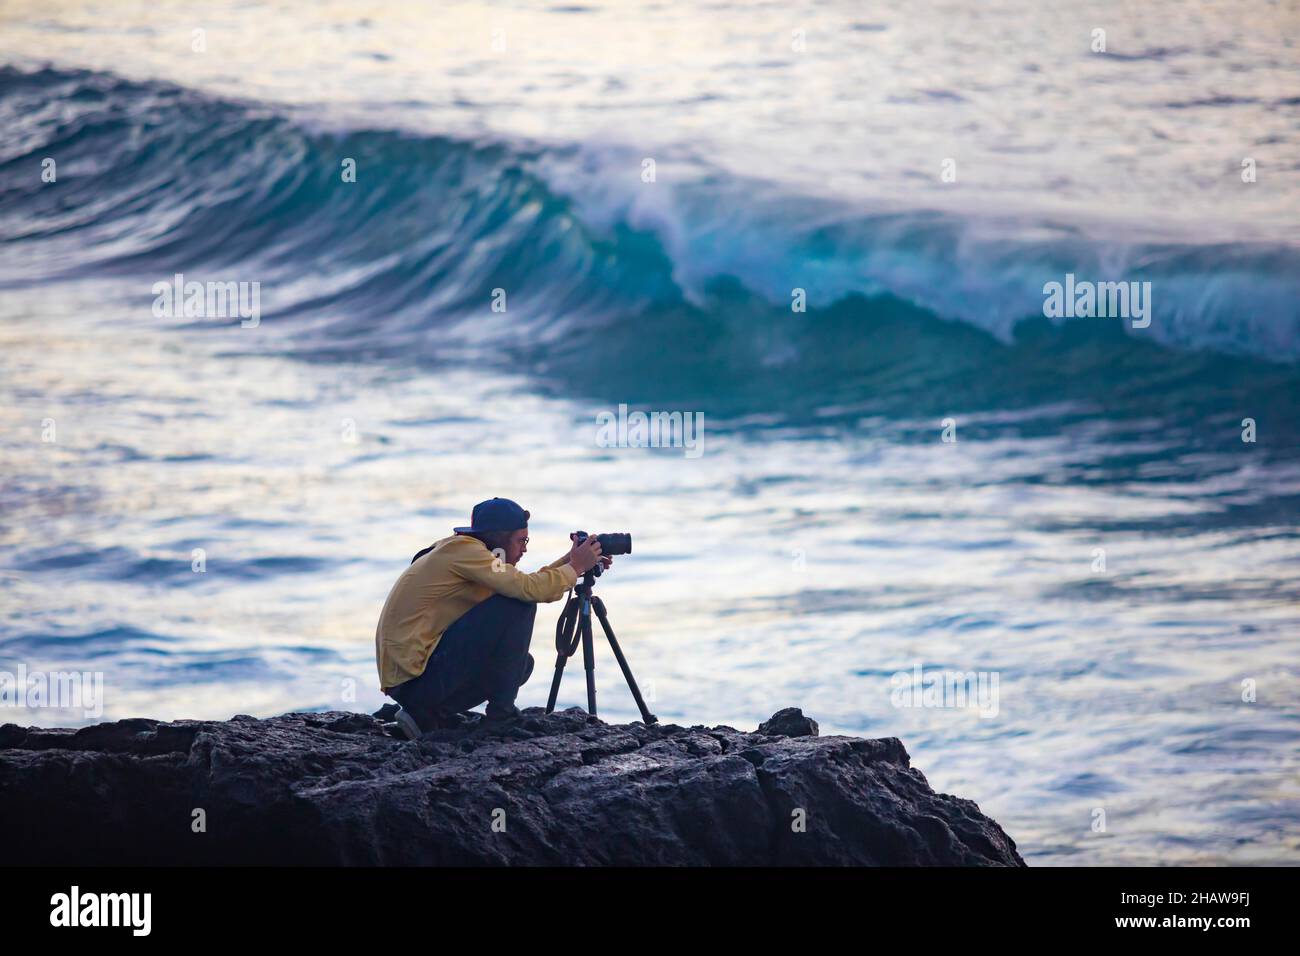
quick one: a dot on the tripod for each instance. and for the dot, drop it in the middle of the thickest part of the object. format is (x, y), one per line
(573, 626)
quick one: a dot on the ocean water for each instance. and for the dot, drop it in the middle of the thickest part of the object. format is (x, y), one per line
(1099, 538)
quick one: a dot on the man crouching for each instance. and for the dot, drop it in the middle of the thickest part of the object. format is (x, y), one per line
(456, 627)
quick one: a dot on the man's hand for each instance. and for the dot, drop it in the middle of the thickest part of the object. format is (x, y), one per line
(584, 555)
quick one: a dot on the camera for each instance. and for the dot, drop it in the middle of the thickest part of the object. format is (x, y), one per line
(615, 542)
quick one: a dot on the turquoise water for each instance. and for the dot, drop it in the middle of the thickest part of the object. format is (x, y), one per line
(826, 538)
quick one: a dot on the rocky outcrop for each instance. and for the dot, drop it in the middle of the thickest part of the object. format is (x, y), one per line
(564, 788)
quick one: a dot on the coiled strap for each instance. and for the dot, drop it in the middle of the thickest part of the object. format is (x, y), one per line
(569, 616)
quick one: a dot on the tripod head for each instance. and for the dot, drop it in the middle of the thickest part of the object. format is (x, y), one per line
(588, 579)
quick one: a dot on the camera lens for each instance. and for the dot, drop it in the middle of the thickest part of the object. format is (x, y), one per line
(615, 543)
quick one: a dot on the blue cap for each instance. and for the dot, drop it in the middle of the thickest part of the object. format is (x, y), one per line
(498, 514)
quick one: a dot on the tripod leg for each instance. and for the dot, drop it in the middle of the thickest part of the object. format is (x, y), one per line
(564, 629)
(589, 662)
(555, 682)
(646, 716)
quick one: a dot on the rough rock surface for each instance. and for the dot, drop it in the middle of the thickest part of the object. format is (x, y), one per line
(340, 788)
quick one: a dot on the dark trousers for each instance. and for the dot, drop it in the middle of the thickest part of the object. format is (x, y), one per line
(482, 656)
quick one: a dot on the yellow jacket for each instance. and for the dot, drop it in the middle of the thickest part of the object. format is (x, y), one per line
(437, 589)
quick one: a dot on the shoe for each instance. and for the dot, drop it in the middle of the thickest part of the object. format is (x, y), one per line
(449, 720)
(407, 724)
(528, 670)
(495, 718)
